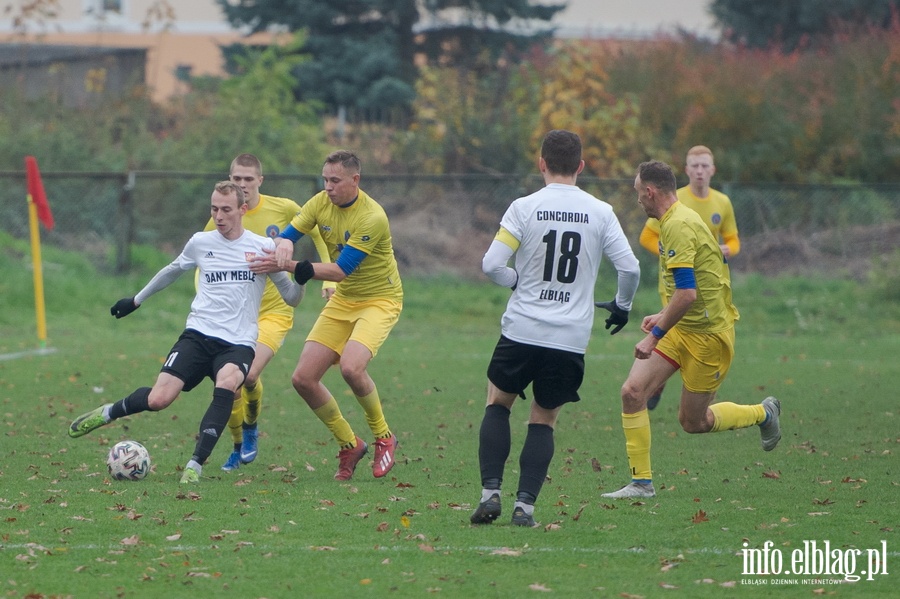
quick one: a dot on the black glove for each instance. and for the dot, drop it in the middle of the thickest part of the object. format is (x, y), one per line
(303, 272)
(123, 307)
(617, 317)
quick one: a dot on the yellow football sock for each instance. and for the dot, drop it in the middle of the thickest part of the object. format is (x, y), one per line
(729, 416)
(252, 402)
(637, 444)
(236, 419)
(330, 414)
(371, 405)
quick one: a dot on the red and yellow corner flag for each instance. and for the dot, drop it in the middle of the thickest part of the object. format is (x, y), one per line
(38, 210)
(36, 193)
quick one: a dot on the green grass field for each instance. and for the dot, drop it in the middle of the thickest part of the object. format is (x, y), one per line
(282, 527)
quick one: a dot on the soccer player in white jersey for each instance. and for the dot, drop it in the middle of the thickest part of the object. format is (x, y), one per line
(219, 339)
(268, 216)
(558, 236)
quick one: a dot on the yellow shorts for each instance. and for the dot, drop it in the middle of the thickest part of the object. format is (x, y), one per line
(367, 322)
(703, 358)
(273, 328)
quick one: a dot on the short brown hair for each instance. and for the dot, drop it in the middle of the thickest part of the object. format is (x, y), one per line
(658, 174)
(247, 160)
(561, 151)
(227, 188)
(346, 159)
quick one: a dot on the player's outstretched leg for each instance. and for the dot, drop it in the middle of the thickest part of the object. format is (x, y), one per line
(90, 421)
(770, 429)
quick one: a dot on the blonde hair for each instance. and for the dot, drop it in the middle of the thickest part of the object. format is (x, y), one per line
(697, 150)
(227, 188)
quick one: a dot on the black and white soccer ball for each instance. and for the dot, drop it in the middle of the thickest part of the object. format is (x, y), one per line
(128, 460)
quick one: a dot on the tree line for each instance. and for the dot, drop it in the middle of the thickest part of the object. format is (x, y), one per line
(818, 107)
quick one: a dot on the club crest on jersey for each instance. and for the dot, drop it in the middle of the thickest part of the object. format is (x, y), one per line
(272, 231)
(366, 238)
(716, 218)
(248, 256)
(671, 253)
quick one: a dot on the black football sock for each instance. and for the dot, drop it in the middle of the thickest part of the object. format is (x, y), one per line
(493, 446)
(534, 461)
(213, 423)
(133, 404)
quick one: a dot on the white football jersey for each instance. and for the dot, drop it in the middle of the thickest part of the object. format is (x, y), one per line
(563, 233)
(226, 305)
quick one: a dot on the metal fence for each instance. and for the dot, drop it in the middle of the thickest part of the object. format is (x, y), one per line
(443, 223)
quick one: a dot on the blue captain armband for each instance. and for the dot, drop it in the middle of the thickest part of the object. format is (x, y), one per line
(684, 278)
(350, 259)
(291, 233)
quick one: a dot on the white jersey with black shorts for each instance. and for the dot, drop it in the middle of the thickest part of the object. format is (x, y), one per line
(559, 236)
(563, 232)
(226, 305)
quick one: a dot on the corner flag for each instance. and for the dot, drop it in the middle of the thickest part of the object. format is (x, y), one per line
(38, 209)
(36, 192)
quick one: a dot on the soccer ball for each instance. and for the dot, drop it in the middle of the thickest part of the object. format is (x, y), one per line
(128, 460)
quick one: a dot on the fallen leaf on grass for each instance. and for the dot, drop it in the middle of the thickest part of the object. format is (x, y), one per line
(666, 585)
(539, 587)
(595, 465)
(132, 540)
(174, 537)
(772, 474)
(699, 517)
(822, 501)
(505, 551)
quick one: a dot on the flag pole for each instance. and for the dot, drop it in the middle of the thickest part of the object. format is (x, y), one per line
(38, 273)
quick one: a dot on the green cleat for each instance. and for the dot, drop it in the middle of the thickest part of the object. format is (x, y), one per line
(88, 422)
(190, 476)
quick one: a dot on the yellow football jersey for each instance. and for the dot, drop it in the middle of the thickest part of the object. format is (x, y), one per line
(686, 242)
(364, 226)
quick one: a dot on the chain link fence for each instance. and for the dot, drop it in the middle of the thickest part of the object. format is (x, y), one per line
(445, 223)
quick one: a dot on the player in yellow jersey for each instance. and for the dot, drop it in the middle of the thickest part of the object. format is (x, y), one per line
(267, 216)
(694, 334)
(714, 208)
(358, 318)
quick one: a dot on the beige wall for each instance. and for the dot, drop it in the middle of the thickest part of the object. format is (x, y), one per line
(165, 52)
(193, 39)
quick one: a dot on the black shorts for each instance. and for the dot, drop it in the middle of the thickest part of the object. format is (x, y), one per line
(196, 356)
(555, 375)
